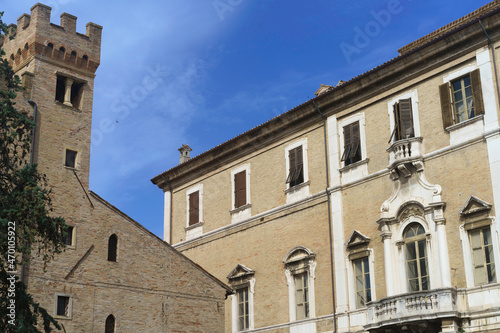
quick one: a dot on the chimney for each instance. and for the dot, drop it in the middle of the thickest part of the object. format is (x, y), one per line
(184, 150)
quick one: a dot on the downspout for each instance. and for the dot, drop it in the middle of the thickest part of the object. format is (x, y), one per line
(33, 132)
(171, 208)
(332, 273)
(25, 263)
(494, 62)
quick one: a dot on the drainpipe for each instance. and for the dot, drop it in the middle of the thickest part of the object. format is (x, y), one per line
(494, 63)
(171, 208)
(33, 133)
(332, 273)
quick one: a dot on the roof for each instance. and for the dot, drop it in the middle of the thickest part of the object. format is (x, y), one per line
(158, 239)
(430, 39)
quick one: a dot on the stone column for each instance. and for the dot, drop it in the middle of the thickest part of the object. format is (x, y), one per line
(389, 272)
(67, 93)
(444, 260)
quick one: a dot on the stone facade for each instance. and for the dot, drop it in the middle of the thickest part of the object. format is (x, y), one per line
(395, 193)
(113, 269)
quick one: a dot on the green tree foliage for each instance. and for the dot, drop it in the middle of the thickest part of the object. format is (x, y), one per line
(25, 211)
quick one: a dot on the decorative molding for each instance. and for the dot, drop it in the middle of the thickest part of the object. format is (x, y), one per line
(474, 205)
(357, 238)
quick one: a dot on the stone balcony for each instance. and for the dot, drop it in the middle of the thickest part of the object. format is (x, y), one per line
(412, 307)
(405, 150)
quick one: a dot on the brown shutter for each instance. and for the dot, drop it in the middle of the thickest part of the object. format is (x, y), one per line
(347, 142)
(292, 161)
(396, 130)
(444, 93)
(194, 208)
(477, 95)
(240, 190)
(406, 119)
(299, 177)
(355, 139)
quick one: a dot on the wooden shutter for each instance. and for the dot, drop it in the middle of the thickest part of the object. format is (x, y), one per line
(446, 109)
(295, 175)
(405, 119)
(477, 95)
(292, 161)
(240, 189)
(194, 208)
(355, 137)
(347, 142)
(395, 131)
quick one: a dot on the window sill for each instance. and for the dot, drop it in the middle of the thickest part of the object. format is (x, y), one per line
(73, 108)
(194, 226)
(62, 317)
(464, 123)
(240, 209)
(297, 187)
(354, 165)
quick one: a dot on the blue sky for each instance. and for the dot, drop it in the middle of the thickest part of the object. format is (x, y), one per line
(201, 72)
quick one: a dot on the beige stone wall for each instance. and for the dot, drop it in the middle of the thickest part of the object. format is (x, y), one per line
(267, 183)
(262, 249)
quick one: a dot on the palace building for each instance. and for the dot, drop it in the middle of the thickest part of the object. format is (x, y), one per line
(369, 208)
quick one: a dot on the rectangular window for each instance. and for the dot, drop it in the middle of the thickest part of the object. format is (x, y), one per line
(63, 306)
(352, 147)
(362, 282)
(240, 189)
(296, 171)
(70, 160)
(194, 208)
(403, 120)
(243, 309)
(482, 256)
(301, 296)
(461, 99)
(68, 240)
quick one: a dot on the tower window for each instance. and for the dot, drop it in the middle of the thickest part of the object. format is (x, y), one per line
(112, 247)
(70, 160)
(110, 324)
(69, 239)
(63, 305)
(60, 88)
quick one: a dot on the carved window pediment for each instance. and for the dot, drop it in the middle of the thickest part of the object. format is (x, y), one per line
(357, 239)
(410, 210)
(240, 272)
(474, 205)
(298, 254)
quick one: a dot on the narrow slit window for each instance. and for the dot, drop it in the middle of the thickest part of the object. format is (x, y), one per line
(110, 324)
(68, 239)
(112, 247)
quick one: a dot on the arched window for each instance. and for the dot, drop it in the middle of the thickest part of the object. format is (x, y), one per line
(49, 49)
(85, 60)
(25, 51)
(110, 324)
(416, 258)
(62, 51)
(112, 245)
(73, 58)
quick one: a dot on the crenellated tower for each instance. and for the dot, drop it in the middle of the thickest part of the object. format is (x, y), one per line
(57, 67)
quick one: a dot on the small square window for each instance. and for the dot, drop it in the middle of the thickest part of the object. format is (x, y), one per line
(63, 306)
(70, 160)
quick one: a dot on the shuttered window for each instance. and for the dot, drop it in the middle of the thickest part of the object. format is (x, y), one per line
(352, 147)
(461, 99)
(403, 120)
(296, 171)
(301, 296)
(482, 256)
(194, 208)
(240, 189)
